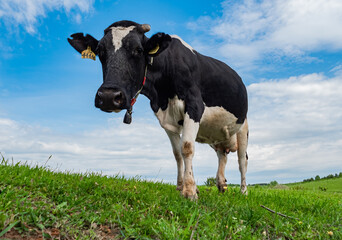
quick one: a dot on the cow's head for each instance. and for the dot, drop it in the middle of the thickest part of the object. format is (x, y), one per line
(123, 52)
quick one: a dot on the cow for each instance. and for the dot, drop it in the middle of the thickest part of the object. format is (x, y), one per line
(194, 97)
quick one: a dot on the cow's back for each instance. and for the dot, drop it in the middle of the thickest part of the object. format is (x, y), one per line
(221, 86)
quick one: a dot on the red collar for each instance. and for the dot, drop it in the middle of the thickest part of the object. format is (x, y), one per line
(128, 115)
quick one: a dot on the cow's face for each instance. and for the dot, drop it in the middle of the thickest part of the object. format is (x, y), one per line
(123, 52)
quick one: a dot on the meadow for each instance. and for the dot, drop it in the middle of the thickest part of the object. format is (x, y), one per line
(37, 203)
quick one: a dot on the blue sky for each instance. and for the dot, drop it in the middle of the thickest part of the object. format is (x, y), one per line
(289, 54)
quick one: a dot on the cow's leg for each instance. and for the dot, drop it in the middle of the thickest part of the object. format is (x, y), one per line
(190, 129)
(220, 178)
(242, 138)
(176, 147)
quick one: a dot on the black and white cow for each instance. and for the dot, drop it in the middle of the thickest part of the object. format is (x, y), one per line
(195, 97)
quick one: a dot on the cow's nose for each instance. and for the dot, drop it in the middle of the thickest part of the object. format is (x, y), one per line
(109, 100)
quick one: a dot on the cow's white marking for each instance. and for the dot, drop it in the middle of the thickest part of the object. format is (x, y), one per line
(170, 117)
(190, 129)
(118, 33)
(184, 43)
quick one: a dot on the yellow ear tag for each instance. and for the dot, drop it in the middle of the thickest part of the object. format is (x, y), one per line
(88, 53)
(154, 50)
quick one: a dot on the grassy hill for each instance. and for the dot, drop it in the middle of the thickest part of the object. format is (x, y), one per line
(36, 203)
(328, 185)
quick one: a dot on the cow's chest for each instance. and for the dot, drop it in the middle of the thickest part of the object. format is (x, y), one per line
(216, 125)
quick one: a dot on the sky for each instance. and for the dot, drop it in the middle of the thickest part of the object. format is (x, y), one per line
(288, 53)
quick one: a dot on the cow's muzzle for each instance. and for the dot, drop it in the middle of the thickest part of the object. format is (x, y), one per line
(110, 100)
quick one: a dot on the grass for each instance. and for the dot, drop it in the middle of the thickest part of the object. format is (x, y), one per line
(38, 203)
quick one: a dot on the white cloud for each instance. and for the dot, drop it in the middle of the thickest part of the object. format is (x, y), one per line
(28, 12)
(251, 30)
(295, 126)
(308, 104)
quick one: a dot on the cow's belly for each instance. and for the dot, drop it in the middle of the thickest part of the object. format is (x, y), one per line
(217, 125)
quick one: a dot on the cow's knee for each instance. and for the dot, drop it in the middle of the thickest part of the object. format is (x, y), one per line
(187, 149)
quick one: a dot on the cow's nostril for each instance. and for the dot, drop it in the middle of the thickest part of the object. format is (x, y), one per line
(118, 98)
(99, 99)
(100, 94)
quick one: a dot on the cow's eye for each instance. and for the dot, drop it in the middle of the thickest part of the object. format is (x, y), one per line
(138, 51)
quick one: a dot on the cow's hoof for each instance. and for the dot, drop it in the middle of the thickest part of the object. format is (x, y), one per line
(244, 190)
(193, 197)
(222, 187)
(190, 194)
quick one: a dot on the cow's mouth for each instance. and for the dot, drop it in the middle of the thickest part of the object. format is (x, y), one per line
(110, 111)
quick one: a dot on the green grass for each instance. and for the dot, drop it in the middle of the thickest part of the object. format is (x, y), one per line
(35, 201)
(330, 185)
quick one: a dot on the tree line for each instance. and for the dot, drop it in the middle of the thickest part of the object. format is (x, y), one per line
(326, 177)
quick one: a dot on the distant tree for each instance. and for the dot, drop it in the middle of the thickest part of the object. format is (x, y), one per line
(211, 181)
(308, 180)
(273, 183)
(317, 177)
(336, 175)
(340, 174)
(330, 176)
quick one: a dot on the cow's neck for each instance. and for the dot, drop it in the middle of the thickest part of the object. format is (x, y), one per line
(158, 88)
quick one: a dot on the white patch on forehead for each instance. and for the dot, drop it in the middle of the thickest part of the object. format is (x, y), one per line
(118, 34)
(184, 43)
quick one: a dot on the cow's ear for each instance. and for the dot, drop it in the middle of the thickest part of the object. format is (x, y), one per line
(81, 43)
(157, 43)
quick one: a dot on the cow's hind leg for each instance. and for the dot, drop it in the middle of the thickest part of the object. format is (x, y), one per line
(242, 139)
(220, 178)
(222, 151)
(176, 147)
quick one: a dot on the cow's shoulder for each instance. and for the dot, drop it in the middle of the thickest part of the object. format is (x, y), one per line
(176, 38)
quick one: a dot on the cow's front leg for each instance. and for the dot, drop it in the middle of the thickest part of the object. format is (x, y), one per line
(242, 138)
(190, 129)
(176, 147)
